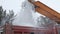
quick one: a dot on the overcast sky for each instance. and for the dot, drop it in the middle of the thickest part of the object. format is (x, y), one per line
(16, 4)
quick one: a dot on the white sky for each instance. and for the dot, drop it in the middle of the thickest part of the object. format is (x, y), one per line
(11, 4)
(16, 4)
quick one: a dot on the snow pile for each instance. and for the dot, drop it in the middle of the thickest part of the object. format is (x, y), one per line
(25, 17)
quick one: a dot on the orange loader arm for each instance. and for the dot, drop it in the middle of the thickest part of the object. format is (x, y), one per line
(45, 10)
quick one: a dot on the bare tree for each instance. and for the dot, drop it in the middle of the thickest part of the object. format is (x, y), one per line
(2, 13)
(45, 22)
(6, 17)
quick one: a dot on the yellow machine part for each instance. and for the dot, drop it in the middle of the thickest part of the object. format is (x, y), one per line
(47, 11)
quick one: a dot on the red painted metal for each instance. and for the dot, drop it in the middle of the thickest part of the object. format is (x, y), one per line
(28, 30)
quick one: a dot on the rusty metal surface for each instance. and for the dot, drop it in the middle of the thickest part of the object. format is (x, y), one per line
(52, 14)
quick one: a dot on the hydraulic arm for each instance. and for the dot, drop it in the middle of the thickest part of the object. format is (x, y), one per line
(45, 10)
